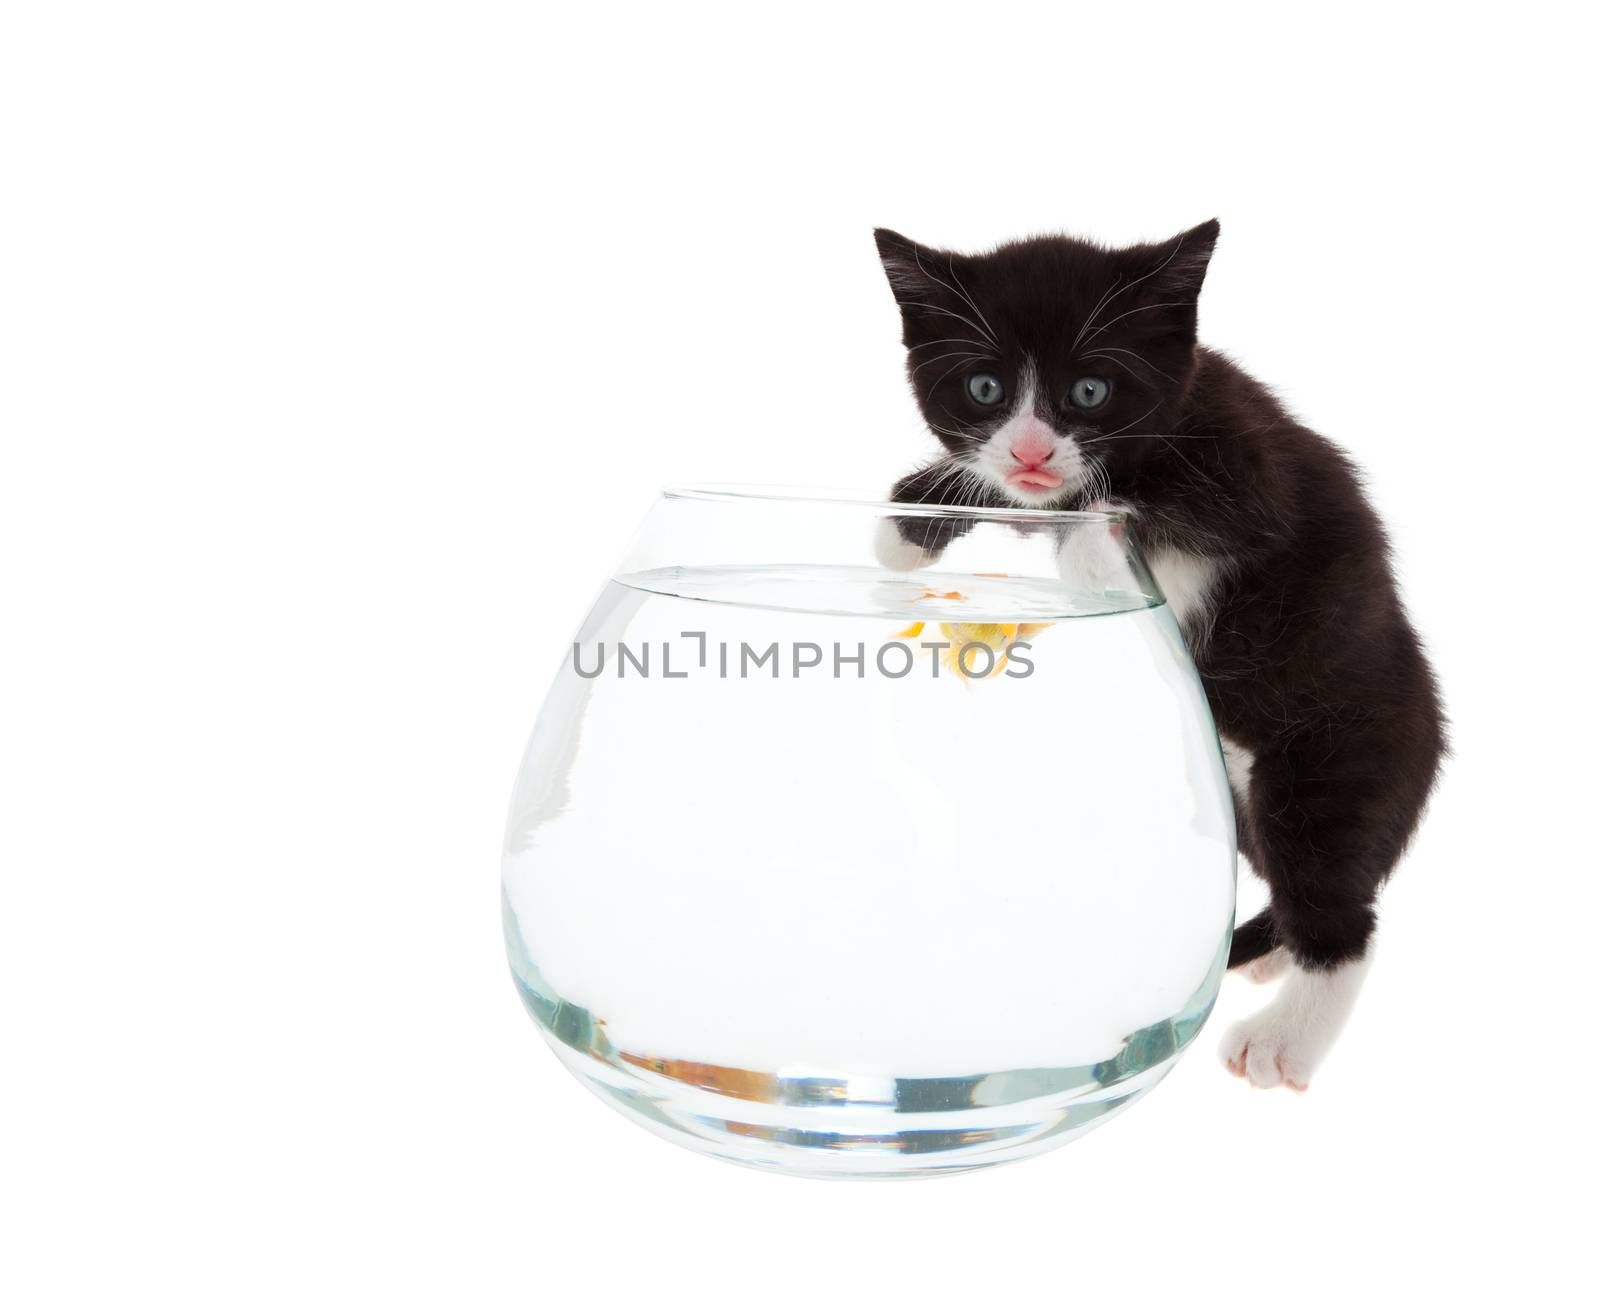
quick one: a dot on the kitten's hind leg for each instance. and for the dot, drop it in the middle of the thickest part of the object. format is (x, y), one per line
(1286, 1041)
(1255, 938)
(1313, 841)
(1264, 969)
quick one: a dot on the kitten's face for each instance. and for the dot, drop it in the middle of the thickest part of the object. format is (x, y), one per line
(1046, 366)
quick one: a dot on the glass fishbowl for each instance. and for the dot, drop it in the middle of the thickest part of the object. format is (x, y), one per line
(858, 839)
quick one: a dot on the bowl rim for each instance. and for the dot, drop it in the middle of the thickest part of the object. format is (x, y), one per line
(862, 500)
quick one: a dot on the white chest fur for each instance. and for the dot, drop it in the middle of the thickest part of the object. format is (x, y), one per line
(1239, 762)
(1187, 582)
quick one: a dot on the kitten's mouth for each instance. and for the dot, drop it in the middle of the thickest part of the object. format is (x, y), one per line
(1035, 480)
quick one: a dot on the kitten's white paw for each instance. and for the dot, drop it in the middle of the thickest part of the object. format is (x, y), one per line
(1268, 1052)
(1091, 556)
(894, 552)
(1284, 1042)
(1264, 969)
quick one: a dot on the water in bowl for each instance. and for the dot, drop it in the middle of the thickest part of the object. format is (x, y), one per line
(786, 883)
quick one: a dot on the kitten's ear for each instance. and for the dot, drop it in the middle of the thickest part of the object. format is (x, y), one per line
(924, 282)
(1166, 282)
(909, 268)
(1183, 262)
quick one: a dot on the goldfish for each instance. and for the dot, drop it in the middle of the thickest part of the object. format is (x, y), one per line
(998, 639)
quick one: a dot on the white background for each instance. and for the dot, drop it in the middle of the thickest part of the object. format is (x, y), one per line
(341, 348)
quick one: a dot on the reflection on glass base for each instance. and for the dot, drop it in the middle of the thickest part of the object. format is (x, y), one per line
(863, 1127)
(853, 1140)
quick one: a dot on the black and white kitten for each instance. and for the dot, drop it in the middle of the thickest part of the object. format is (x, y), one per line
(1058, 373)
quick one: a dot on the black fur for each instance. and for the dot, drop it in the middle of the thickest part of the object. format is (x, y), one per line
(1306, 654)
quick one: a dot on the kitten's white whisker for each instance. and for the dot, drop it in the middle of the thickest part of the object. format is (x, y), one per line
(967, 296)
(986, 328)
(1189, 463)
(940, 309)
(957, 365)
(1099, 305)
(1140, 419)
(1100, 351)
(948, 341)
(1141, 309)
(1175, 436)
(1111, 359)
(1098, 479)
(947, 475)
(962, 428)
(972, 488)
(1130, 287)
(948, 355)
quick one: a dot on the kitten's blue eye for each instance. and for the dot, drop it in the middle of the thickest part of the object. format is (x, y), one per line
(985, 388)
(1089, 393)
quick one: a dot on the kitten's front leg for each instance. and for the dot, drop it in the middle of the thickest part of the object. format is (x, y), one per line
(1091, 556)
(899, 551)
(907, 542)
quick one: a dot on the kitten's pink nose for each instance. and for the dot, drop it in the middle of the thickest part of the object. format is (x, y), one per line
(1033, 445)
